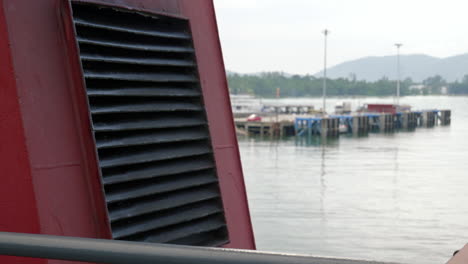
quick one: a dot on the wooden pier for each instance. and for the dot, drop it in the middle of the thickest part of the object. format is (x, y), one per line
(334, 125)
(278, 126)
(409, 121)
(323, 126)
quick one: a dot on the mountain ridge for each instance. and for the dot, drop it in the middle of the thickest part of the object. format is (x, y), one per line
(415, 66)
(418, 67)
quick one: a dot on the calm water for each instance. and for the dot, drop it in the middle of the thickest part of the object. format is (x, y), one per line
(400, 197)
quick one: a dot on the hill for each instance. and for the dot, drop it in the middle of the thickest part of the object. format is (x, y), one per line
(418, 67)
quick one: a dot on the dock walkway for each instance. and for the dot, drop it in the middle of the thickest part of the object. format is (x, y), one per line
(334, 125)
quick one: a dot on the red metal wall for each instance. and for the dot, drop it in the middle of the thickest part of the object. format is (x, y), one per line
(381, 108)
(50, 182)
(18, 210)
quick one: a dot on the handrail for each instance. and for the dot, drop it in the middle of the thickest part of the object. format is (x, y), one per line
(124, 252)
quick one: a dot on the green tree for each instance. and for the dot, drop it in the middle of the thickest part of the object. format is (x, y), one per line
(434, 84)
(265, 85)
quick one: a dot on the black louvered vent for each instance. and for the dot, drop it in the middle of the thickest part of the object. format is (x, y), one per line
(150, 127)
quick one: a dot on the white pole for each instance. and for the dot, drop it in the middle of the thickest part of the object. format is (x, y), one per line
(324, 90)
(398, 45)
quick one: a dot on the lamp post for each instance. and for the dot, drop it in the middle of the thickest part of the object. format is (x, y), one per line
(324, 89)
(398, 45)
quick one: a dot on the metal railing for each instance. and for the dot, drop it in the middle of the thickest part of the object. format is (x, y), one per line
(123, 252)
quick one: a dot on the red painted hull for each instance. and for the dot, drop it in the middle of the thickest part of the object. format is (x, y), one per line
(48, 163)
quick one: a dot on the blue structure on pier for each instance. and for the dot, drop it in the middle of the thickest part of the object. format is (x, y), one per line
(311, 125)
(373, 122)
(346, 120)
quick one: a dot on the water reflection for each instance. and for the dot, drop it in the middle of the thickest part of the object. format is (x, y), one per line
(398, 197)
(323, 185)
(313, 140)
(396, 171)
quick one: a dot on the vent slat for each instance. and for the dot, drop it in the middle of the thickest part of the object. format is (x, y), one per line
(199, 227)
(143, 92)
(206, 239)
(146, 189)
(168, 168)
(176, 217)
(150, 138)
(155, 107)
(140, 77)
(139, 61)
(163, 203)
(120, 28)
(150, 128)
(210, 243)
(155, 154)
(135, 46)
(148, 124)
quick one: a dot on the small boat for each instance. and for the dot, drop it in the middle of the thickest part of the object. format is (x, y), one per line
(254, 118)
(245, 104)
(343, 129)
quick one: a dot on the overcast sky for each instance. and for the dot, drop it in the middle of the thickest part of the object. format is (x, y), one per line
(285, 35)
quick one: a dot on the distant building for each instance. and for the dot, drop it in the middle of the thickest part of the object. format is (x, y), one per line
(444, 90)
(417, 87)
(423, 89)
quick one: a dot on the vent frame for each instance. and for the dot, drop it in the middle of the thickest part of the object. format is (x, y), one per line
(198, 84)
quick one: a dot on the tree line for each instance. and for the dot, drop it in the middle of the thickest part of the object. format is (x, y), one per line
(266, 85)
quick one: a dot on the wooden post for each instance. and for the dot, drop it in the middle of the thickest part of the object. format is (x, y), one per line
(445, 117)
(405, 118)
(336, 127)
(365, 124)
(428, 119)
(356, 124)
(382, 122)
(425, 119)
(324, 127)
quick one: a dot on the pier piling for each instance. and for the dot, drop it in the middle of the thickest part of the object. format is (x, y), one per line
(387, 122)
(428, 118)
(409, 120)
(360, 124)
(329, 126)
(445, 117)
